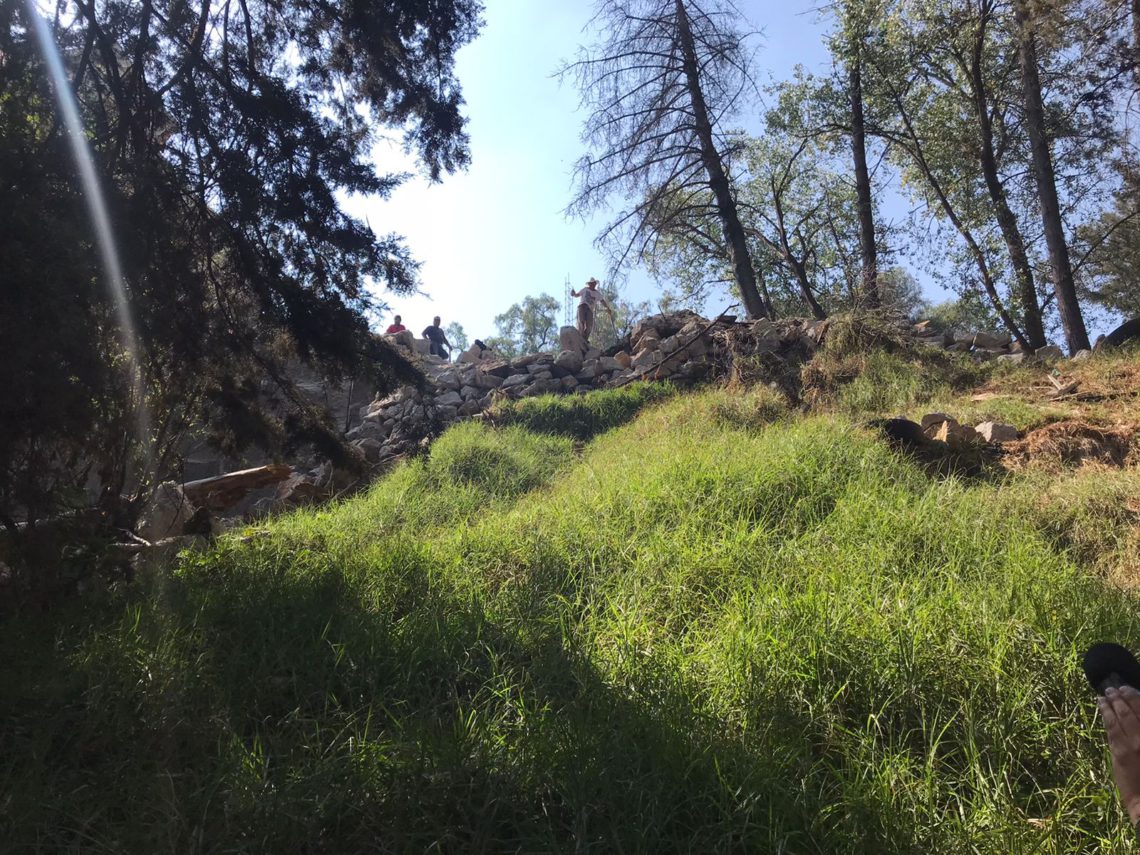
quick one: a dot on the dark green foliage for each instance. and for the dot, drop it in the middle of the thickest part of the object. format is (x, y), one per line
(225, 134)
(1113, 268)
(527, 327)
(581, 417)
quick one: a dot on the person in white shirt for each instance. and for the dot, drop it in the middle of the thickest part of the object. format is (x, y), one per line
(588, 297)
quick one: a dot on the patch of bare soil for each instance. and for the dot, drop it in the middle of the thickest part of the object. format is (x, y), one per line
(1072, 443)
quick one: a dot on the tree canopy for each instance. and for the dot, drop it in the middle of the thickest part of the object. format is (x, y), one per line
(226, 136)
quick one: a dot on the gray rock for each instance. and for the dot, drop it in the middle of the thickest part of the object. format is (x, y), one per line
(996, 432)
(932, 420)
(469, 408)
(1012, 357)
(592, 353)
(569, 360)
(447, 414)
(449, 380)
(515, 380)
(469, 392)
(543, 385)
(645, 359)
(482, 380)
(1081, 355)
(991, 341)
(698, 347)
(448, 399)
(1050, 351)
(370, 448)
(500, 369)
(569, 383)
(473, 354)
(608, 363)
(570, 339)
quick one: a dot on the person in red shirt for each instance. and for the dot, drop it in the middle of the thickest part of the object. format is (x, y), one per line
(395, 326)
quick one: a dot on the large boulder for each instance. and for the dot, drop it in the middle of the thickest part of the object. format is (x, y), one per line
(991, 341)
(570, 361)
(404, 339)
(570, 339)
(643, 359)
(449, 399)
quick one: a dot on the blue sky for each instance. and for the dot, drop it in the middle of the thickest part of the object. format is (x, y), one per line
(495, 234)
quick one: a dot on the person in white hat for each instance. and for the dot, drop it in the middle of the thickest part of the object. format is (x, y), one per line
(588, 297)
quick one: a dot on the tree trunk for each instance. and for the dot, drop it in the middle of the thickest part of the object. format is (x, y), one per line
(916, 153)
(1027, 290)
(799, 269)
(1076, 335)
(864, 204)
(742, 270)
(1136, 42)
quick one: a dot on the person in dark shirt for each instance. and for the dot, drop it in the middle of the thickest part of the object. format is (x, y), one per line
(438, 340)
(395, 326)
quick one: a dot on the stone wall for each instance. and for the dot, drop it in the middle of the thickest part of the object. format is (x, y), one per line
(680, 347)
(985, 345)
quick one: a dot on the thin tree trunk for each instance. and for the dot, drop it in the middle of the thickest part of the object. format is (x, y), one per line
(864, 204)
(1076, 335)
(1007, 221)
(915, 151)
(743, 271)
(797, 265)
(1136, 42)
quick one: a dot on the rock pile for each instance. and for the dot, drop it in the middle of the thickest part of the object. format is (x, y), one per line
(680, 347)
(984, 345)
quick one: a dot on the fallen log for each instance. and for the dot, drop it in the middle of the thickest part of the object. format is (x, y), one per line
(225, 491)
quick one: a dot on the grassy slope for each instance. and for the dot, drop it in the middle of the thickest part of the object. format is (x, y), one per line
(698, 632)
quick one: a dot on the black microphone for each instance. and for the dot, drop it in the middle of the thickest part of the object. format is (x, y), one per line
(1109, 665)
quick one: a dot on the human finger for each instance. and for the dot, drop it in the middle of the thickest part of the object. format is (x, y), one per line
(1132, 699)
(1108, 716)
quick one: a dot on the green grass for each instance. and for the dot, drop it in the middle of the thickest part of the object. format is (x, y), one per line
(715, 628)
(580, 417)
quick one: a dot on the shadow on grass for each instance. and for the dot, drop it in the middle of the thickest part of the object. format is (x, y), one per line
(285, 710)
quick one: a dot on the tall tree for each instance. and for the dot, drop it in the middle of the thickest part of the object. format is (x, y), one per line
(659, 86)
(527, 327)
(801, 211)
(855, 19)
(226, 135)
(1035, 125)
(1032, 322)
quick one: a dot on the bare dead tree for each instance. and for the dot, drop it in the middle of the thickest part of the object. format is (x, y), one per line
(658, 87)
